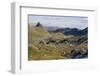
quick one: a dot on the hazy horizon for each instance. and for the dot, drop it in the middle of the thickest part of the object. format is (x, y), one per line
(59, 21)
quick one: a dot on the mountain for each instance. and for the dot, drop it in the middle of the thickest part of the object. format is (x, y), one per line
(47, 43)
(85, 31)
(37, 32)
(39, 25)
(72, 31)
(65, 31)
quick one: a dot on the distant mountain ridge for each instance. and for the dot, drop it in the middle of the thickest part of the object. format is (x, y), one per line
(73, 31)
(65, 31)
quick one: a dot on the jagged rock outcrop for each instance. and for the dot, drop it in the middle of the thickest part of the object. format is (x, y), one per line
(79, 53)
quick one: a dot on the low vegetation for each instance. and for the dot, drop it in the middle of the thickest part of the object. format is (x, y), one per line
(44, 45)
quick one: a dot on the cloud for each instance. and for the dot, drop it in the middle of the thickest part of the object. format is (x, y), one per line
(60, 21)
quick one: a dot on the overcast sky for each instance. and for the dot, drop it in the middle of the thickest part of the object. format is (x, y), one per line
(60, 21)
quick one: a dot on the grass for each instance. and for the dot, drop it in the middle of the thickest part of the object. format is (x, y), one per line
(38, 49)
(43, 53)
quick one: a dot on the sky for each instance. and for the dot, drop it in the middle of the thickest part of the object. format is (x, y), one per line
(59, 21)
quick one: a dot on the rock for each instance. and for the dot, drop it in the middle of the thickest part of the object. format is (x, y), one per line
(79, 53)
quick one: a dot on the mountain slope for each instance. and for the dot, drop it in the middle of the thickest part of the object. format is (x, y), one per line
(37, 33)
(73, 31)
(62, 43)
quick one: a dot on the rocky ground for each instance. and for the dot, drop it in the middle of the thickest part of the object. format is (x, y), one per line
(44, 45)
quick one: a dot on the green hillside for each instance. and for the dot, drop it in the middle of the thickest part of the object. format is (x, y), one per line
(44, 45)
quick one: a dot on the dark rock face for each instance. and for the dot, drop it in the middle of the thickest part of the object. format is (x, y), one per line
(75, 54)
(82, 40)
(39, 25)
(79, 53)
(73, 31)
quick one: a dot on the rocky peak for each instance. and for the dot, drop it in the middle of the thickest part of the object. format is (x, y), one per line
(39, 25)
